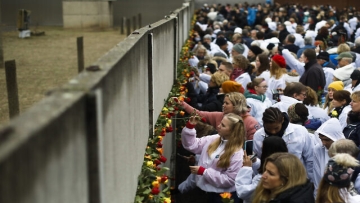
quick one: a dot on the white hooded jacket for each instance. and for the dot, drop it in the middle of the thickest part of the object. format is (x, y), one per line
(333, 130)
(285, 102)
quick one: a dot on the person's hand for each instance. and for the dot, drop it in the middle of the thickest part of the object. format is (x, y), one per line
(317, 49)
(247, 161)
(176, 100)
(190, 159)
(194, 169)
(194, 119)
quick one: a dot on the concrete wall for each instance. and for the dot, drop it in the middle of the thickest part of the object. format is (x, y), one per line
(86, 141)
(84, 14)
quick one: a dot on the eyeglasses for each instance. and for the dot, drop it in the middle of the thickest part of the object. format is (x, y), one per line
(265, 87)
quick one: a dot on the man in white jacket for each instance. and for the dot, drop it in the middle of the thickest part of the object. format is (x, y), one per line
(328, 132)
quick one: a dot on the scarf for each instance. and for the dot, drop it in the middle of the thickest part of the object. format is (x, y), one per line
(236, 73)
(285, 124)
(250, 93)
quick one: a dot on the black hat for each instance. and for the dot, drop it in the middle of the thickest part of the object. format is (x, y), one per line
(256, 50)
(211, 68)
(221, 41)
(355, 75)
(270, 46)
(323, 55)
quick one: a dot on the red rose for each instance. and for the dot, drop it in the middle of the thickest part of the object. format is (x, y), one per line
(162, 159)
(155, 191)
(159, 145)
(163, 133)
(176, 108)
(203, 119)
(169, 129)
(168, 115)
(157, 162)
(192, 73)
(164, 178)
(188, 99)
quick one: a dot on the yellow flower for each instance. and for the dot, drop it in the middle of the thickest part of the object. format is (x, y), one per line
(166, 181)
(149, 163)
(158, 178)
(155, 183)
(147, 157)
(150, 197)
(167, 200)
(165, 109)
(169, 121)
(226, 195)
(334, 113)
(167, 125)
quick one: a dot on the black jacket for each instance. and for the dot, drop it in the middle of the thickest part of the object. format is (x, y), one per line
(292, 48)
(298, 194)
(313, 76)
(352, 130)
(214, 105)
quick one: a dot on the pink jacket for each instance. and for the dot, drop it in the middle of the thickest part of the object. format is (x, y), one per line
(214, 179)
(214, 119)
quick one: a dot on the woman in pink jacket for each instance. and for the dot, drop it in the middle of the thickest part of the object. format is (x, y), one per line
(234, 102)
(221, 156)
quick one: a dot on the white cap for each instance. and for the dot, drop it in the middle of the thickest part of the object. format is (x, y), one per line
(268, 20)
(306, 13)
(287, 23)
(238, 30)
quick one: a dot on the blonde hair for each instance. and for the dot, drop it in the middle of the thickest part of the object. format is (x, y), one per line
(218, 78)
(343, 146)
(235, 141)
(311, 97)
(238, 101)
(291, 171)
(331, 193)
(343, 48)
(328, 102)
(241, 61)
(276, 71)
(355, 96)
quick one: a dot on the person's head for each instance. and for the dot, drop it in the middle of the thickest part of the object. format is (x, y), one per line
(342, 48)
(329, 132)
(253, 34)
(308, 40)
(259, 35)
(277, 66)
(270, 146)
(355, 101)
(355, 78)
(333, 87)
(298, 113)
(290, 39)
(337, 176)
(345, 58)
(344, 146)
(226, 67)
(254, 51)
(323, 31)
(200, 52)
(308, 55)
(232, 129)
(236, 38)
(240, 61)
(259, 85)
(357, 42)
(217, 79)
(237, 49)
(281, 27)
(311, 98)
(222, 43)
(341, 98)
(282, 171)
(272, 120)
(299, 29)
(207, 39)
(262, 63)
(245, 33)
(322, 57)
(296, 90)
(235, 102)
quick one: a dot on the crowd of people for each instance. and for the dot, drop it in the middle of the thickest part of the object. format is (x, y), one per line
(279, 87)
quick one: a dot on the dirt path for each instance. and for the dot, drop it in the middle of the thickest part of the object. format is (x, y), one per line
(49, 61)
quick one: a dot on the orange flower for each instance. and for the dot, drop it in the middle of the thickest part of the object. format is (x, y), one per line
(182, 113)
(181, 98)
(160, 150)
(155, 183)
(160, 138)
(226, 195)
(148, 157)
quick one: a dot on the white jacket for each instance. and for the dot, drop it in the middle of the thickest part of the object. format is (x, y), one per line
(265, 75)
(243, 79)
(332, 130)
(343, 116)
(258, 108)
(285, 102)
(293, 63)
(246, 184)
(315, 112)
(298, 142)
(273, 85)
(329, 76)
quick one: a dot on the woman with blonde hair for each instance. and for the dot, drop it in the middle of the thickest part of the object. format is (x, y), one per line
(256, 99)
(283, 180)
(352, 130)
(277, 76)
(333, 87)
(234, 102)
(221, 156)
(334, 186)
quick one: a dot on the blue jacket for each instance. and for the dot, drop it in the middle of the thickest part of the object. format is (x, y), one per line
(301, 50)
(251, 16)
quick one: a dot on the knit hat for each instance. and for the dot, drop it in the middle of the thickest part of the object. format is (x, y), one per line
(355, 75)
(221, 41)
(344, 55)
(323, 55)
(239, 48)
(231, 86)
(337, 85)
(338, 171)
(344, 73)
(256, 50)
(280, 60)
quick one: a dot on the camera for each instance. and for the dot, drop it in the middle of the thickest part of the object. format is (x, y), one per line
(276, 95)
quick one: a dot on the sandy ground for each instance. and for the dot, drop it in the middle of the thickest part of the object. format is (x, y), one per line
(47, 62)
